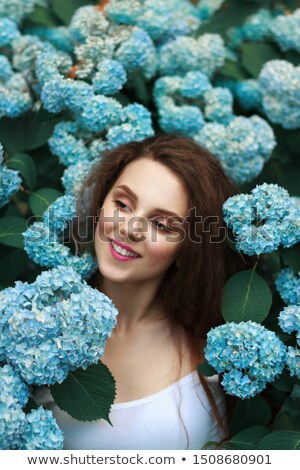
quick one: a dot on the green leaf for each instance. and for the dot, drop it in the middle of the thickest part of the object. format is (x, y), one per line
(284, 382)
(42, 16)
(291, 257)
(40, 200)
(248, 438)
(280, 440)
(206, 369)
(65, 9)
(86, 395)
(288, 417)
(246, 297)
(286, 175)
(12, 264)
(26, 166)
(234, 70)
(255, 54)
(11, 230)
(27, 132)
(251, 412)
(233, 13)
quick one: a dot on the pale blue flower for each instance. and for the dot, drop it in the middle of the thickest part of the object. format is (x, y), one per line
(288, 286)
(41, 431)
(285, 31)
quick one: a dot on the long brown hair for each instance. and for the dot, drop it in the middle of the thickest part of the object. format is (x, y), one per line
(190, 293)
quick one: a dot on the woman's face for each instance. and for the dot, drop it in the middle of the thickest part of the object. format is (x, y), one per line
(135, 213)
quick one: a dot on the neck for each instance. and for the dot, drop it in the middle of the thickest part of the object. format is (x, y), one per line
(136, 302)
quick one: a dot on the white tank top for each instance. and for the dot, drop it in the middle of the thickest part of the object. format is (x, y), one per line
(152, 422)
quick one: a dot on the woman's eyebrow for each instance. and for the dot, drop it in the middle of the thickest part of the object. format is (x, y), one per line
(157, 209)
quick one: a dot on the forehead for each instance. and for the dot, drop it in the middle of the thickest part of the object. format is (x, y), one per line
(154, 183)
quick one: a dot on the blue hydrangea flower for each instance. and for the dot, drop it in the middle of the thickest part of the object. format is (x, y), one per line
(8, 32)
(67, 143)
(41, 431)
(43, 240)
(288, 286)
(289, 319)
(218, 105)
(87, 21)
(110, 77)
(11, 384)
(56, 324)
(12, 422)
(161, 19)
(98, 113)
(205, 54)
(133, 52)
(136, 125)
(16, 10)
(285, 31)
(242, 147)
(15, 97)
(257, 27)
(247, 354)
(279, 82)
(5, 69)
(74, 176)
(293, 361)
(263, 220)
(248, 94)
(9, 181)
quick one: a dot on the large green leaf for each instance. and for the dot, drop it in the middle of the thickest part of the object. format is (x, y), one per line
(246, 297)
(280, 440)
(288, 417)
(206, 369)
(86, 395)
(255, 54)
(26, 166)
(248, 438)
(27, 132)
(42, 16)
(234, 70)
(251, 412)
(12, 264)
(11, 230)
(65, 9)
(40, 200)
(286, 175)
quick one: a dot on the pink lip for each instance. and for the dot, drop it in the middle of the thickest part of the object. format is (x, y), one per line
(118, 256)
(122, 245)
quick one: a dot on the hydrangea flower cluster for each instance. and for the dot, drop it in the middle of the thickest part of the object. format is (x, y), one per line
(263, 220)
(285, 30)
(43, 240)
(184, 54)
(257, 27)
(242, 147)
(54, 325)
(247, 354)
(164, 19)
(288, 286)
(37, 430)
(248, 94)
(9, 181)
(8, 31)
(41, 432)
(15, 97)
(279, 82)
(16, 10)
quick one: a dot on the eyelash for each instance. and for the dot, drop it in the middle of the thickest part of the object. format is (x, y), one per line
(165, 229)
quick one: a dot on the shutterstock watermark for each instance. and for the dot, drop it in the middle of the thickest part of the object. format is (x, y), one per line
(136, 229)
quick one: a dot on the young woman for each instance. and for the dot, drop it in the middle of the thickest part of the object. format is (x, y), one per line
(160, 240)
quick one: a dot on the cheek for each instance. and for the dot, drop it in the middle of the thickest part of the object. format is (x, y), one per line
(163, 251)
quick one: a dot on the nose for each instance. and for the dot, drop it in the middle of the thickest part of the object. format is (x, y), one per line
(134, 229)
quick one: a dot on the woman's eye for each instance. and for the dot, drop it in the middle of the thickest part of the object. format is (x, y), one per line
(120, 204)
(162, 226)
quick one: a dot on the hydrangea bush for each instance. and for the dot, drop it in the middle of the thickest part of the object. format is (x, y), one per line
(78, 78)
